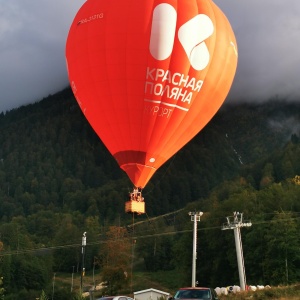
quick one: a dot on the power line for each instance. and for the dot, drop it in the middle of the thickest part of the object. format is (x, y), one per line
(93, 243)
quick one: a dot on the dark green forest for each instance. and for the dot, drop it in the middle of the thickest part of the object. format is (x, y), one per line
(57, 180)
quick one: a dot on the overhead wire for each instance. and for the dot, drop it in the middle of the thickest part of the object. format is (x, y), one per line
(173, 232)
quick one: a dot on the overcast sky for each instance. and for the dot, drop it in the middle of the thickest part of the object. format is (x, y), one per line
(33, 35)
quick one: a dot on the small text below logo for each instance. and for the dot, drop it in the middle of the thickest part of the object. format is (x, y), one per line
(167, 104)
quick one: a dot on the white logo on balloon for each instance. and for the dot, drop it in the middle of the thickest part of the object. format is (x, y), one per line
(191, 36)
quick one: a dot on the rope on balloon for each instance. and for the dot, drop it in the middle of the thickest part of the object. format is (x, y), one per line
(163, 175)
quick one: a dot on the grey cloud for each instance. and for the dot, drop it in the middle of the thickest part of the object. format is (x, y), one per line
(267, 33)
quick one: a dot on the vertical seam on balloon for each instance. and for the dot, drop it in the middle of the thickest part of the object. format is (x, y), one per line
(144, 121)
(126, 97)
(165, 143)
(131, 129)
(171, 138)
(222, 74)
(193, 134)
(156, 152)
(118, 133)
(170, 145)
(148, 119)
(100, 99)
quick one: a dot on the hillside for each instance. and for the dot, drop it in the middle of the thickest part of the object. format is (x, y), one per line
(58, 180)
(51, 146)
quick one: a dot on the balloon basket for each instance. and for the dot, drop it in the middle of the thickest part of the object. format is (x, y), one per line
(133, 206)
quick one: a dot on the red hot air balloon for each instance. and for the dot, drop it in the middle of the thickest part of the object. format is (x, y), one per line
(149, 75)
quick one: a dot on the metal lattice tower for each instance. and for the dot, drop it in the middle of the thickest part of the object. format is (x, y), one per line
(236, 223)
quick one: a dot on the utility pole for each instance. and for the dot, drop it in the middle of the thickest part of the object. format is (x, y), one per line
(53, 283)
(195, 217)
(72, 279)
(94, 273)
(83, 244)
(236, 223)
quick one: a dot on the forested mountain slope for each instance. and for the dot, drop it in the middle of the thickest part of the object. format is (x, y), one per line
(58, 180)
(51, 158)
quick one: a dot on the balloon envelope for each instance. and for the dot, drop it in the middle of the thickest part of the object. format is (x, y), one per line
(149, 75)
